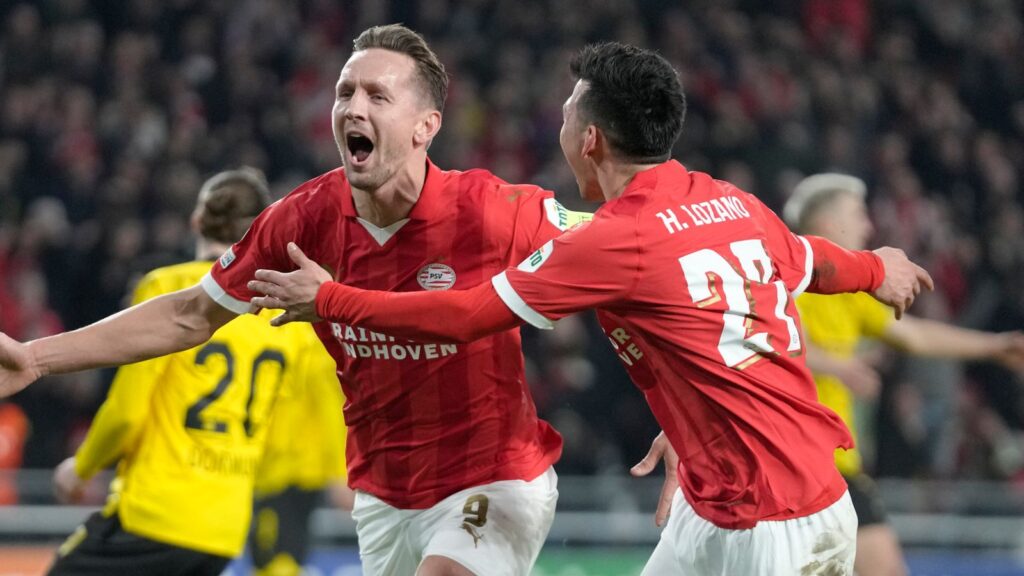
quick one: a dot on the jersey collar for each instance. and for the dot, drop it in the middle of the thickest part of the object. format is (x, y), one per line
(432, 197)
(427, 207)
(668, 171)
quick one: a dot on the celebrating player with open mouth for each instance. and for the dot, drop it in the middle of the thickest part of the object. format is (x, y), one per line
(451, 464)
(693, 281)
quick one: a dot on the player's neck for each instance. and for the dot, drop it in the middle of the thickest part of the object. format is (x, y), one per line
(614, 177)
(209, 249)
(393, 200)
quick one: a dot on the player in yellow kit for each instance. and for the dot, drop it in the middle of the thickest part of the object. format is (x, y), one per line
(188, 430)
(833, 206)
(305, 454)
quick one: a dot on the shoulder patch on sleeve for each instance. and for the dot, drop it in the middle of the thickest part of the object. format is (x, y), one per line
(534, 261)
(563, 218)
(227, 258)
(557, 214)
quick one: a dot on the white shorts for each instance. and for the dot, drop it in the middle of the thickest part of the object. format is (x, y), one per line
(495, 528)
(823, 543)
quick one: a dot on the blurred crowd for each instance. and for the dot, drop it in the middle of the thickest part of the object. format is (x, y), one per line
(113, 113)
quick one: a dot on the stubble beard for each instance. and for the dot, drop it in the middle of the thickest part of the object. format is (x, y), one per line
(370, 180)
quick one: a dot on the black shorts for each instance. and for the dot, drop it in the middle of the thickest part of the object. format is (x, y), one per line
(280, 527)
(866, 500)
(101, 547)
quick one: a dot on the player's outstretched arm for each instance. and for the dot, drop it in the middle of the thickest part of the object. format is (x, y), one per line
(17, 369)
(859, 376)
(886, 273)
(170, 323)
(308, 294)
(922, 337)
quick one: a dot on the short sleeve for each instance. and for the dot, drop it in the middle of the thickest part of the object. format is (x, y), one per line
(591, 266)
(792, 254)
(263, 246)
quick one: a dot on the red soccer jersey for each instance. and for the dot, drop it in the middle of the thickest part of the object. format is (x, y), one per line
(425, 419)
(694, 280)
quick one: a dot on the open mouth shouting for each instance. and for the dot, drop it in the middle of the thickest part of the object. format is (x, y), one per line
(360, 147)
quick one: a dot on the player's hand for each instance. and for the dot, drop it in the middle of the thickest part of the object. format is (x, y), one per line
(17, 366)
(860, 377)
(67, 485)
(903, 280)
(661, 449)
(294, 292)
(1009, 350)
(341, 496)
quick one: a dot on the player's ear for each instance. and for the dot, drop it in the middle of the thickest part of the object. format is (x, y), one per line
(427, 127)
(593, 140)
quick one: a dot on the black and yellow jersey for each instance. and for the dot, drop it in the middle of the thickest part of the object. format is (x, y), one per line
(306, 444)
(837, 324)
(189, 429)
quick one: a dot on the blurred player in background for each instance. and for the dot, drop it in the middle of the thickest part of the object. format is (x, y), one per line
(304, 458)
(452, 466)
(676, 264)
(188, 430)
(833, 206)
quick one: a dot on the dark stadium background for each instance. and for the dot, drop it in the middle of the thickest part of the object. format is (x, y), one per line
(113, 113)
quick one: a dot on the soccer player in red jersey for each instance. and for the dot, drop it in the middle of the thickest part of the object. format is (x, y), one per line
(693, 281)
(451, 465)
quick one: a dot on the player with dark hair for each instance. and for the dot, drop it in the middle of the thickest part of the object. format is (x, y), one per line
(188, 430)
(452, 466)
(833, 206)
(693, 281)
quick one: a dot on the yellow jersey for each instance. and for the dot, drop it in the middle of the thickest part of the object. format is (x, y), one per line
(306, 442)
(189, 428)
(837, 323)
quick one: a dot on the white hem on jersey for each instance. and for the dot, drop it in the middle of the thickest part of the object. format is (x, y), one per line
(213, 290)
(382, 235)
(808, 268)
(515, 303)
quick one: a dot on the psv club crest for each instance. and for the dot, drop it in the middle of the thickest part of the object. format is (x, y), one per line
(436, 277)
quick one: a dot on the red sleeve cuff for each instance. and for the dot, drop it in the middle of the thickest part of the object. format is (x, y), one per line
(331, 300)
(838, 270)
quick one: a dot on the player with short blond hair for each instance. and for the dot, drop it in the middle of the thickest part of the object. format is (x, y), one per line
(833, 206)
